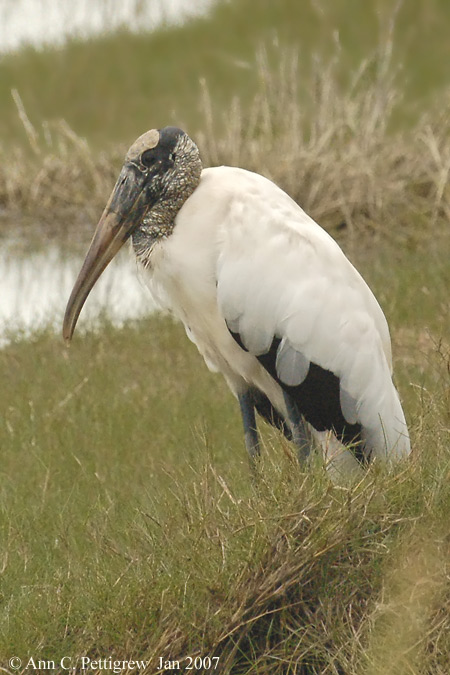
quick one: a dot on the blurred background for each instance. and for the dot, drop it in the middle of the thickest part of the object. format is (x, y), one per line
(112, 69)
(340, 102)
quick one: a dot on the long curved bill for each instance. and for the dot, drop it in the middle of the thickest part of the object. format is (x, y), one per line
(124, 211)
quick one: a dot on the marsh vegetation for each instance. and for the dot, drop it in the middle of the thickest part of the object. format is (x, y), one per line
(129, 524)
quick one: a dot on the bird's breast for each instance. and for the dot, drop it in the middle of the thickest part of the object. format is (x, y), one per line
(182, 280)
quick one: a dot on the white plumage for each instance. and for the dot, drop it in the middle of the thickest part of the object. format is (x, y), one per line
(271, 302)
(258, 264)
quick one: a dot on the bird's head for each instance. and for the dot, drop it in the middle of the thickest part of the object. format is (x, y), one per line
(161, 170)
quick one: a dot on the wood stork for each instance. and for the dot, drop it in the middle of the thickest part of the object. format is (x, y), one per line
(267, 296)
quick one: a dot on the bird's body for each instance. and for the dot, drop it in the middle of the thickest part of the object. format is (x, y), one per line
(271, 302)
(261, 268)
(188, 286)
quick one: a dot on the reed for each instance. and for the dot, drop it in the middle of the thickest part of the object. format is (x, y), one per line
(332, 147)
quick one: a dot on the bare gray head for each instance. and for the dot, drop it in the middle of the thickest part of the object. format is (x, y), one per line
(172, 162)
(161, 170)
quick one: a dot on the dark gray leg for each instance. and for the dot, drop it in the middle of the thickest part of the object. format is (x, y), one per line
(299, 433)
(249, 420)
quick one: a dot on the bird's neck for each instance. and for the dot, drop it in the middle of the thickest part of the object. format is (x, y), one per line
(157, 225)
(159, 221)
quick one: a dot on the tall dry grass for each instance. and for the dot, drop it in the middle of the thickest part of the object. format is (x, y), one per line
(333, 147)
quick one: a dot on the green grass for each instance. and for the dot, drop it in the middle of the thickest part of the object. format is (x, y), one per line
(130, 527)
(112, 88)
(128, 520)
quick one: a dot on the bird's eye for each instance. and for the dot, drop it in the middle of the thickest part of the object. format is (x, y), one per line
(172, 156)
(148, 158)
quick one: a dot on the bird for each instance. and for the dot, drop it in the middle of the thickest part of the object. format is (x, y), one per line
(264, 292)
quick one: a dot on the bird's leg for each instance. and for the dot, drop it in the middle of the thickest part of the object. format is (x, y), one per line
(250, 431)
(299, 433)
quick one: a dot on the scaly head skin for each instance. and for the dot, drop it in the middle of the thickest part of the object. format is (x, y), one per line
(161, 170)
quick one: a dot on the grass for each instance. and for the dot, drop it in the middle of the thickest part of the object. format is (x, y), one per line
(130, 526)
(109, 88)
(333, 150)
(338, 133)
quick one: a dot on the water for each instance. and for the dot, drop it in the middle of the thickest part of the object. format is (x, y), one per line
(51, 22)
(36, 286)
